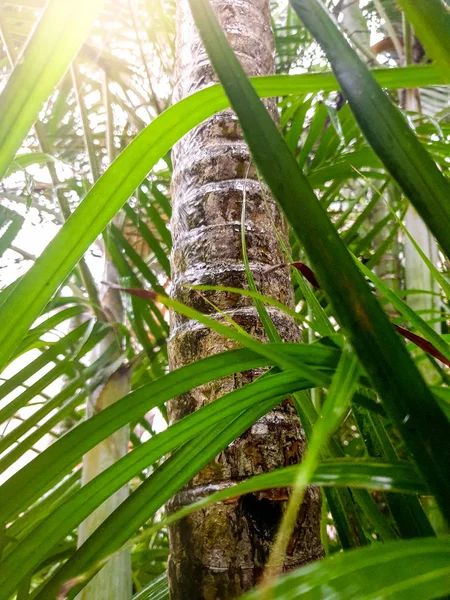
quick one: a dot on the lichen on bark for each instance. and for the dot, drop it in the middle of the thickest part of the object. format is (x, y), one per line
(220, 552)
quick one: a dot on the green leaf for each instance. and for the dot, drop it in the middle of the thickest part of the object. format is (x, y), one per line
(225, 426)
(152, 242)
(428, 332)
(50, 356)
(156, 218)
(65, 402)
(22, 161)
(400, 477)
(384, 126)
(10, 225)
(315, 129)
(405, 395)
(431, 22)
(34, 479)
(403, 570)
(44, 507)
(54, 43)
(158, 589)
(340, 393)
(26, 300)
(35, 334)
(138, 312)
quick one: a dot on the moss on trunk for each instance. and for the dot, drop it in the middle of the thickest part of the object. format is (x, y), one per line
(220, 552)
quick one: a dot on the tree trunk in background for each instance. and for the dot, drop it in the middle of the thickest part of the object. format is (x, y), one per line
(113, 581)
(417, 274)
(388, 267)
(221, 551)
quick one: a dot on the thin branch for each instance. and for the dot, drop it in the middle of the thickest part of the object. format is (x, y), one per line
(85, 123)
(390, 29)
(26, 255)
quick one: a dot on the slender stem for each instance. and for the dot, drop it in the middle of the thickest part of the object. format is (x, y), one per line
(95, 171)
(154, 99)
(390, 28)
(115, 579)
(407, 41)
(109, 123)
(26, 255)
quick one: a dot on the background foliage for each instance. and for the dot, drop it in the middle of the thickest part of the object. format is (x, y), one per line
(90, 134)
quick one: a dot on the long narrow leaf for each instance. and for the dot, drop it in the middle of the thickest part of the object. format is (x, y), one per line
(406, 398)
(34, 479)
(52, 46)
(399, 477)
(29, 296)
(136, 509)
(431, 22)
(382, 123)
(405, 570)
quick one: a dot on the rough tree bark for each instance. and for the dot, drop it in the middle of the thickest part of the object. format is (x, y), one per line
(221, 551)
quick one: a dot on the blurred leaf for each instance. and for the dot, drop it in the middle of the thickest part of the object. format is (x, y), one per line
(118, 183)
(431, 22)
(10, 225)
(22, 161)
(404, 570)
(54, 43)
(34, 479)
(382, 123)
(405, 395)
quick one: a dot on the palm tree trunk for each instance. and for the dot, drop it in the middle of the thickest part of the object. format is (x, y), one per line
(114, 579)
(221, 551)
